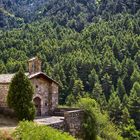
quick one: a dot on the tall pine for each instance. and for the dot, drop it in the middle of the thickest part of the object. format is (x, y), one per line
(115, 108)
(120, 89)
(98, 95)
(134, 104)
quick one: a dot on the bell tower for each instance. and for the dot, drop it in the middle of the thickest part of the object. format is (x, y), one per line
(34, 65)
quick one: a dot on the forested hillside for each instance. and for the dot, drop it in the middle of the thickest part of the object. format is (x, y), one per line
(75, 14)
(91, 47)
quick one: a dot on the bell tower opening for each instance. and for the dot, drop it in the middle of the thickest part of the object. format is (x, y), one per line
(34, 65)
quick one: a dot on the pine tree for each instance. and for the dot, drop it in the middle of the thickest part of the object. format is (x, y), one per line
(77, 92)
(120, 89)
(128, 128)
(106, 85)
(92, 78)
(115, 108)
(2, 68)
(137, 58)
(128, 65)
(125, 100)
(78, 88)
(98, 95)
(135, 77)
(20, 96)
(134, 104)
(70, 100)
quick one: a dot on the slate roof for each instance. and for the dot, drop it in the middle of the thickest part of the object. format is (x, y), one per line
(6, 78)
(42, 75)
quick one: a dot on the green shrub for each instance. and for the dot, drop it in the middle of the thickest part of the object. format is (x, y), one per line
(20, 96)
(32, 131)
(96, 124)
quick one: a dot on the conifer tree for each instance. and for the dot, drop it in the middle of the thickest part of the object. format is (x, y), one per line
(70, 100)
(98, 95)
(128, 66)
(78, 88)
(92, 79)
(137, 58)
(2, 68)
(77, 92)
(128, 128)
(135, 77)
(115, 108)
(120, 89)
(106, 85)
(125, 100)
(20, 96)
(134, 104)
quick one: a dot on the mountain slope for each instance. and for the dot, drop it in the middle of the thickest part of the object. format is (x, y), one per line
(75, 14)
(8, 20)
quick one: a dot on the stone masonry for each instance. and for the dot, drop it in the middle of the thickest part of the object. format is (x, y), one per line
(74, 122)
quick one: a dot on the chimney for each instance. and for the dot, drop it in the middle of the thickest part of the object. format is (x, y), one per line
(34, 65)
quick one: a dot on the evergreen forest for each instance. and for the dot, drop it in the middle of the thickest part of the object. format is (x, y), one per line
(91, 47)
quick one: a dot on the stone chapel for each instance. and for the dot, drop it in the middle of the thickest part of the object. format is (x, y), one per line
(45, 95)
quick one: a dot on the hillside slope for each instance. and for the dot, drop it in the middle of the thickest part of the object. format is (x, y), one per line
(75, 14)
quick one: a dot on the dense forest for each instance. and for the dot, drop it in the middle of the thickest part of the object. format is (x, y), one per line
(91, 47)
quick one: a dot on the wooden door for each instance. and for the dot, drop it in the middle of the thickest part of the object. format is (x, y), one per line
(37, 102)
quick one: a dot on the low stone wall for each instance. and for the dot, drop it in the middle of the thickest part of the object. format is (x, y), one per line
(59, 125)
(7, 112)
(73, 122)
(60, 111)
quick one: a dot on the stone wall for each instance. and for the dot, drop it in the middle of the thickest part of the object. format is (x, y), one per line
(54, 92)
(6, 111)
(41, 90)
(34, 65)
(59, 125)
(3, 94)
(73, 121)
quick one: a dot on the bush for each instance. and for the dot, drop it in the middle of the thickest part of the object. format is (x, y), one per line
(20, 96)
(96, 124)
(32, 131)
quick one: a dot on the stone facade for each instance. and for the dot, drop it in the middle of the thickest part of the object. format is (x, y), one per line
(3, 94)
(34, 65)
(47, 95)
(45, 89)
